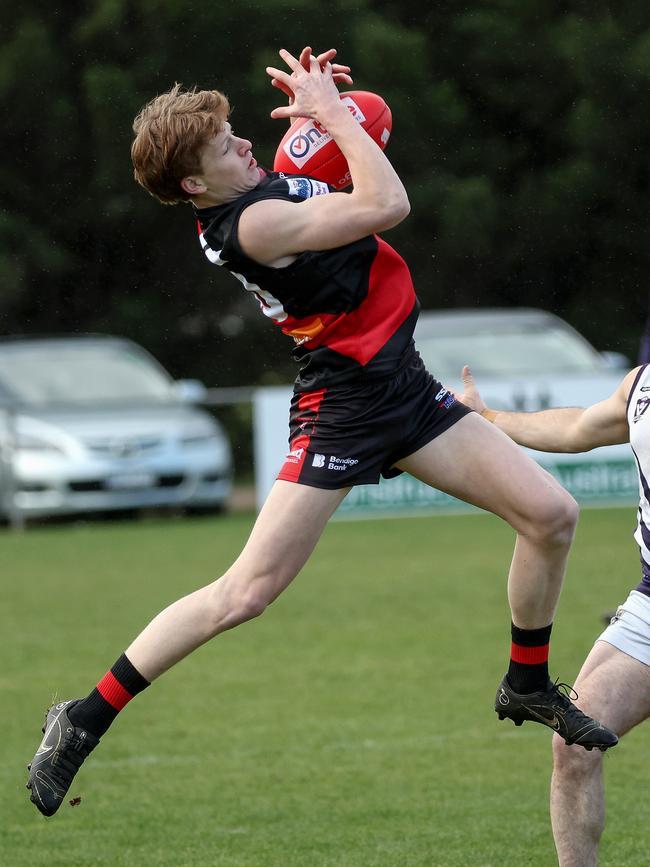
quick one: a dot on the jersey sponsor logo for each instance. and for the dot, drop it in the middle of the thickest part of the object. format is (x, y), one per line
(306, 188)
(641, 408)
(305, 330)
(318, 461)
(312, 137)
(294, 456)
(299, 187)
(318, 188)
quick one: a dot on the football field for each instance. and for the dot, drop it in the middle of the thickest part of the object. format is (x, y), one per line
(351, 726)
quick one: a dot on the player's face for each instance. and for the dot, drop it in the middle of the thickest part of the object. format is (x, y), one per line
(228, 166)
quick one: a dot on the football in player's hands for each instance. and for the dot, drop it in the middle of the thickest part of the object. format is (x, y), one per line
(308, 149)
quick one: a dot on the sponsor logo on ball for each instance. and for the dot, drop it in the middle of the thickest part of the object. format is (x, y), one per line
(311, 137)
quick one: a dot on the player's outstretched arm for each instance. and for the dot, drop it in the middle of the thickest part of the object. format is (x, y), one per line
(566, 429)
(273, 229)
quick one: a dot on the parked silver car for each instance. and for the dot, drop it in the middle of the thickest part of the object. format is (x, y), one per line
(93, 423)
(523, 359)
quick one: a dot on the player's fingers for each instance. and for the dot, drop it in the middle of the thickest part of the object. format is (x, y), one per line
(283, 87)
(285, 111)
(342, 77)
(290, 60)
(280, 76)
(305, 54)
(466, 376)
(330, 54)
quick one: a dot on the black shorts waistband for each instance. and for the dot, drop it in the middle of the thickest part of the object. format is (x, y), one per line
(361, 377)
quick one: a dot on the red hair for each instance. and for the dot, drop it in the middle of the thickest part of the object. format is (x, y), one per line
(170, 133)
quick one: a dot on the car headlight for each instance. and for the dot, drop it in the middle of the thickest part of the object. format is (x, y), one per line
(199, 438)
(30, 443)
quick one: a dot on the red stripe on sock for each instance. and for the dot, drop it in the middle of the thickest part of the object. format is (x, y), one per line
(112, 690)
(529, 655)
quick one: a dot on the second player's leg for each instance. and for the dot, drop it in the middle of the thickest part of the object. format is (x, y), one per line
(477, 463)
(285, 533)
(615, 688)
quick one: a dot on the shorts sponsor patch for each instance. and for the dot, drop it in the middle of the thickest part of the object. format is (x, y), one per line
(331, 462)
(445, 398)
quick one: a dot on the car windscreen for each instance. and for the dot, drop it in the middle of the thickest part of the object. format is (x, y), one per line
(518, 350)
(65, 373)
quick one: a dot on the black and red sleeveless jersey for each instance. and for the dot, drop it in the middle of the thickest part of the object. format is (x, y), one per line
(351, 311)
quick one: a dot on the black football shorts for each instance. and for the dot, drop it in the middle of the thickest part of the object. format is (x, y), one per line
(353, 434)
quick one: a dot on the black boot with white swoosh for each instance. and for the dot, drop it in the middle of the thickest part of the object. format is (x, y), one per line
(60, 755)
(553, 708)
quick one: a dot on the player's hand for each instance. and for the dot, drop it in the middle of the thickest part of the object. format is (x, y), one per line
(340, 73)
(314, 89)
(471, 396)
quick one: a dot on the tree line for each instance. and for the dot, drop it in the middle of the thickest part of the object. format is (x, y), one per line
(520, 127)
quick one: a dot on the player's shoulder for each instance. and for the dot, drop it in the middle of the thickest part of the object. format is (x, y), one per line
(275, 197)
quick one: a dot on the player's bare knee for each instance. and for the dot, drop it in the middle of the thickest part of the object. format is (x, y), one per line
(233, 600)
(554, 523)
(574, 762)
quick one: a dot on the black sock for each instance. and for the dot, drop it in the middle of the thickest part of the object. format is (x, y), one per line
(97, 711)
(528, 671)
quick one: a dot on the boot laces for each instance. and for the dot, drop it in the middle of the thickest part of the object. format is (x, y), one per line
(565, 696)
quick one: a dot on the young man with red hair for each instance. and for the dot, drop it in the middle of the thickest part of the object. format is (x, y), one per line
(363, 406)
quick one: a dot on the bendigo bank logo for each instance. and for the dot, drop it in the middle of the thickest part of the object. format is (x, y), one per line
(311, 137)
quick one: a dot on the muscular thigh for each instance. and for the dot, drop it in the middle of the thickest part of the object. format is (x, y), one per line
(477, 463)
(286, 531)
(614, 688)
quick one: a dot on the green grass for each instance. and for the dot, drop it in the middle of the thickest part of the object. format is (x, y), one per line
(351, 725)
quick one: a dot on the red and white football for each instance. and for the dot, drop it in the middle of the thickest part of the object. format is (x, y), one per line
(308, 149)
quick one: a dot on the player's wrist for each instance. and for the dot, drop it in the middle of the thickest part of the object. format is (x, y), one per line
(336, 118)
(489, 414)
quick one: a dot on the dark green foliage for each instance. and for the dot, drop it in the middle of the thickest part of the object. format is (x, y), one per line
(521, 129)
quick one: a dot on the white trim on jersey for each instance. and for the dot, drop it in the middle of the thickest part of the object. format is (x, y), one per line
(269, 305)
(638, 419)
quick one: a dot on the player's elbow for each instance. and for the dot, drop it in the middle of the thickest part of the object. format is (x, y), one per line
(402, 208)
(394, 209)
